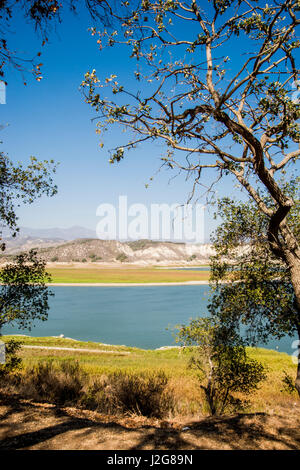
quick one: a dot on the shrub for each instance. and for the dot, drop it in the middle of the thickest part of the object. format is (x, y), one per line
(121, 257)
(141, 394)
(55, 258)
(222, 364)
(97, 258)
(67, 383)
(288, 383)
(58, 384)
(12, 361)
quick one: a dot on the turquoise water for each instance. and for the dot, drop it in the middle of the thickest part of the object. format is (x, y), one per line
(133, 316)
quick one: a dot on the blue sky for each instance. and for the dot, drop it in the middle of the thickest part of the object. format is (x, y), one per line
(50, 120)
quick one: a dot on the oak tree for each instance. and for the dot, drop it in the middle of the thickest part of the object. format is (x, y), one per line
(23, 291)
(222, 364)
(216, 82)
(251, 288)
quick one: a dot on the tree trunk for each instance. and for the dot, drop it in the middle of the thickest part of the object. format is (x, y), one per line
(297, 381)
(295, 277)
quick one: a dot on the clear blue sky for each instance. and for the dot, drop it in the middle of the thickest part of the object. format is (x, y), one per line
(49, 119)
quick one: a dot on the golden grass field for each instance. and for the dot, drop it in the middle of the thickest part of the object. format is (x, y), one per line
(121, 274)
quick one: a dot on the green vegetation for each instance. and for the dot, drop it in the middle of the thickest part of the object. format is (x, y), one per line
(94, 257)
(12, 361)
(259, 291)
(19, 185)
(222, 364)
(183, 383)
(23, 291)
(69, 274)
(112, 359)
(141, 244)
(121, 257)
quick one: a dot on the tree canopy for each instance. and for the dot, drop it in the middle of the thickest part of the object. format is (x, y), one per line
(19, 184)
(221, 361)
(24, 294)
(258, 291)
(23, 291)
(230, 112)
(216, 82)
(43, 15)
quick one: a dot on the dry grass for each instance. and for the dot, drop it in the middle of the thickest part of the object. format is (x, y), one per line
(68, 384)
(122, 274)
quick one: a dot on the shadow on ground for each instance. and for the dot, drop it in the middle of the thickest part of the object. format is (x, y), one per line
(25, 425)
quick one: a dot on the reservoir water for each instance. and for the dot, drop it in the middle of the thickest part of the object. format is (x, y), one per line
(132, 316)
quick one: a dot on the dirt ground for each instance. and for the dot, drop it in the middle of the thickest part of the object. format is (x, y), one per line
(28, 425)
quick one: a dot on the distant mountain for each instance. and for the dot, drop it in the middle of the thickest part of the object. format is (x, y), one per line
(141, 252)
(67, 234)
(18, 244)
(80, 244)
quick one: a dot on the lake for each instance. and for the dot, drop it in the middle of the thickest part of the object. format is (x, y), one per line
(131, 316)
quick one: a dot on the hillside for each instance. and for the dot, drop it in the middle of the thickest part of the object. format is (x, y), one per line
(39, 417)
(111, 251)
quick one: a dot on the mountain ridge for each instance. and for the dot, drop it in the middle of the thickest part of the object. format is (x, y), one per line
(69, 233)
(94, 250)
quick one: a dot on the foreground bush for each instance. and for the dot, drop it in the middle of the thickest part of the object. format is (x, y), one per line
(68, 384)
(223, 367)
(60, 385)
(12, 361)
(144, 394)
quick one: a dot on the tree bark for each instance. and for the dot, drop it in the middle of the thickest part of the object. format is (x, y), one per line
(297, 381)
(286, 247)
(295, 277)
